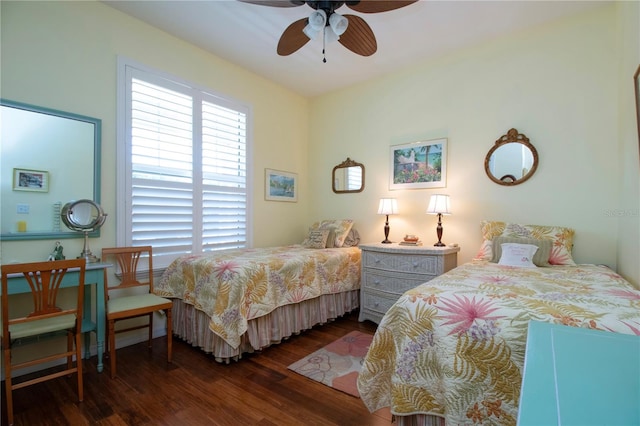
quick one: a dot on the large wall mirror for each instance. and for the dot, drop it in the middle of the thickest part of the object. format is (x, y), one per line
(47, 159)
(512, 159)
(347, 177)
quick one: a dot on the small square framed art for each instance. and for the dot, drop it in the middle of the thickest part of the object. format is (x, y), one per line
(280, 186)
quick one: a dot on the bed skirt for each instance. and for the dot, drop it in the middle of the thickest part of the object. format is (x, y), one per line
(192, 325)
(419, 420)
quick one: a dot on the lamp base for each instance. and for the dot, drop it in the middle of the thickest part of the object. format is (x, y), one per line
(386, 241)
(439, 244)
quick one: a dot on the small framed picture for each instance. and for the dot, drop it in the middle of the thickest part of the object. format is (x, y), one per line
(30, 180)
(280, 186)
(418, 165)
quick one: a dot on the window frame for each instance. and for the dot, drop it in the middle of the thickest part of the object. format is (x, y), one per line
(123, 152)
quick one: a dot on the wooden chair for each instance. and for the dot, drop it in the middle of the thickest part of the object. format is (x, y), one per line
(44, 280)
(136, 305)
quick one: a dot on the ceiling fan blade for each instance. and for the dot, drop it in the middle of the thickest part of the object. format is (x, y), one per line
(275, 3)
(293, 38)
(359, 37)
(376, 6)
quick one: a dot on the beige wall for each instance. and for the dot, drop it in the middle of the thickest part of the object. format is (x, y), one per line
(565, 85)
(628, 217)
(62, 55)
(558, 84)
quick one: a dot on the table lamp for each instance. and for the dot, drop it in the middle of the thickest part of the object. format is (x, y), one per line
(387, 206)
(439, 204)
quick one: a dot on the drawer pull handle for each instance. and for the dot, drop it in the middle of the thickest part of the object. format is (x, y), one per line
(415, 264)
(376, 261)
(376, 304)
(376, 282)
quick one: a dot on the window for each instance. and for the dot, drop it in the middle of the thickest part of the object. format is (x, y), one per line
(183, 151)
(354, 178)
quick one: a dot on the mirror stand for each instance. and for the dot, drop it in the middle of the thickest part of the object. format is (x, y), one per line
(86, 252)
(84, 216)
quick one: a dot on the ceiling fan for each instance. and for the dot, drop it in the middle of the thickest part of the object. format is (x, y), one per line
(350, 30)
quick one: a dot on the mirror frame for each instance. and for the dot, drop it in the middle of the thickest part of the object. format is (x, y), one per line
(97, 142)
(346, 164)
(511, 137)
(71, 223)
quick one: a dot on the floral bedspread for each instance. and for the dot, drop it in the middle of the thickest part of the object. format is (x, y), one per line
(239, 285)
(454, 347)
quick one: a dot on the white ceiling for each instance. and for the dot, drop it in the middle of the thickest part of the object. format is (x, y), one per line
(247, 34)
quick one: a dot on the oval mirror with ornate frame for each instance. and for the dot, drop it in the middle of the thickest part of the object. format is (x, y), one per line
(512, 160)
(348, 177)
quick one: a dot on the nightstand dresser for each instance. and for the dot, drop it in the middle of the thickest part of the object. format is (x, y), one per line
(388, 270)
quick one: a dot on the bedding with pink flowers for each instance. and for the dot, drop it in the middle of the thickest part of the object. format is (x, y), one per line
(236, 286)
(452, 349)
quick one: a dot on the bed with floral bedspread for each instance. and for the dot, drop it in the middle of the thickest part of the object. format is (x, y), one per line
(453, 348)
(229, 290)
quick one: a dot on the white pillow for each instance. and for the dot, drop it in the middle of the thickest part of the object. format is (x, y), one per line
(520, 255)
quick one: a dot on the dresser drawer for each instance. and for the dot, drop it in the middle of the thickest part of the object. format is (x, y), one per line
(394, 283)
(409, 263)
(377, 302)
(389, 270)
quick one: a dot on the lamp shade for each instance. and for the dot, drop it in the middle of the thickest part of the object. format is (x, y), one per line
(338, 24)
(316, 23)
(439, 204)
(330, 36)
(388, 206)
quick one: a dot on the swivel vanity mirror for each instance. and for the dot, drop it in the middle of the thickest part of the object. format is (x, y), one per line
(512, 159)
(84, 216)
(348, 177)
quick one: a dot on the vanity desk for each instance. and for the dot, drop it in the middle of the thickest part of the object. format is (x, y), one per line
(94, 275)
(388, 270)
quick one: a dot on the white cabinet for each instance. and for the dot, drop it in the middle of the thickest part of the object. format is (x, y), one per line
(388, 270)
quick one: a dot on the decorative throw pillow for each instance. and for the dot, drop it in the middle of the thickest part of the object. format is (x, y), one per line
(489, 229)
(325, 226)
(339, 229)
(540, 258)
(561, 239)
(316, 239)
(352, 240)
(519, 255)
(342, 228)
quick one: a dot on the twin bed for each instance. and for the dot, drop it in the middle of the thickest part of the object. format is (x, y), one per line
(449, 351)
(244, 300)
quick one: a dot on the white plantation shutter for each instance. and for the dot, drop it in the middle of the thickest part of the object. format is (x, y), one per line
(186, 168)
(354, 178)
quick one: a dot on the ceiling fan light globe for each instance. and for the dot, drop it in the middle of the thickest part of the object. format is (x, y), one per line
(338, 24)
(330, 36)
(310, 32)
(318, 19)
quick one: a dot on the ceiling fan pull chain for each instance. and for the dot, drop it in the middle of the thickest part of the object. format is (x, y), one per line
(324, 45)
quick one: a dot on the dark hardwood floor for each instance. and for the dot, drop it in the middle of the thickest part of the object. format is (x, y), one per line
(196, 390)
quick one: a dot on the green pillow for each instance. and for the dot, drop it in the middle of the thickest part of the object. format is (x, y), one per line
(540, 258)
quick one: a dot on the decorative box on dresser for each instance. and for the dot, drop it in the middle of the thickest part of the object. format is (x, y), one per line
(388, 270)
